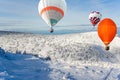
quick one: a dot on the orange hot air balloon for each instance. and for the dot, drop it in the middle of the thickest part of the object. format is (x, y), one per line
(107, 30)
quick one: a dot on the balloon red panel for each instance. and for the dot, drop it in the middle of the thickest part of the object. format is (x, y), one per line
(94, 20)
(107, 30)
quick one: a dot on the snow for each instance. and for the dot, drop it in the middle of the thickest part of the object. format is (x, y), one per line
(78, 56)
(22, 67)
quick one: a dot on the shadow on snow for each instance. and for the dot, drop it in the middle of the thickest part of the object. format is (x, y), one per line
(22, 67)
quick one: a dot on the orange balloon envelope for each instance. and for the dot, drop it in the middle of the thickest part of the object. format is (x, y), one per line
(107, 30)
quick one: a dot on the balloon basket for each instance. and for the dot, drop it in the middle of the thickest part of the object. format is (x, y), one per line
(107, 48)
(51, 30)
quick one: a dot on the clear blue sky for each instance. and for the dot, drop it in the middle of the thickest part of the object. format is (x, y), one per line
(20, 14)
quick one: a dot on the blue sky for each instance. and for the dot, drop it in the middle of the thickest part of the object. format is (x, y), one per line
(23, 14)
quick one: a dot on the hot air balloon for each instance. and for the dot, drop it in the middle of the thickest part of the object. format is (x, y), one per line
(95, 17)
(52, 11)
(107, 30)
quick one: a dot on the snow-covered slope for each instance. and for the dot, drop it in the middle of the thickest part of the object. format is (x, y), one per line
(69, 57)
(22, 67)
(27, 67)
(75, 47)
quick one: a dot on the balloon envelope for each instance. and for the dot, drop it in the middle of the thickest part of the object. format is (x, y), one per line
(95, 17)
(52, 11)
(107, 30)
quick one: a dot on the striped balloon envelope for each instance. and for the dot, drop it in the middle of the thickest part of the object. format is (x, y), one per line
(95, 17)
(52, 11)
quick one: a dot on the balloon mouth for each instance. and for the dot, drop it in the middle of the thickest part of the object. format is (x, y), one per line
(106, 43)
(93, 24)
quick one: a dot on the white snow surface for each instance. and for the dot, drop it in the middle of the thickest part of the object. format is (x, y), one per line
(78, 56)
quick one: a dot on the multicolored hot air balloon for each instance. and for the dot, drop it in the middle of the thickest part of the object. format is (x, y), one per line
(107, 30)
(52, 11)
(95, 17)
